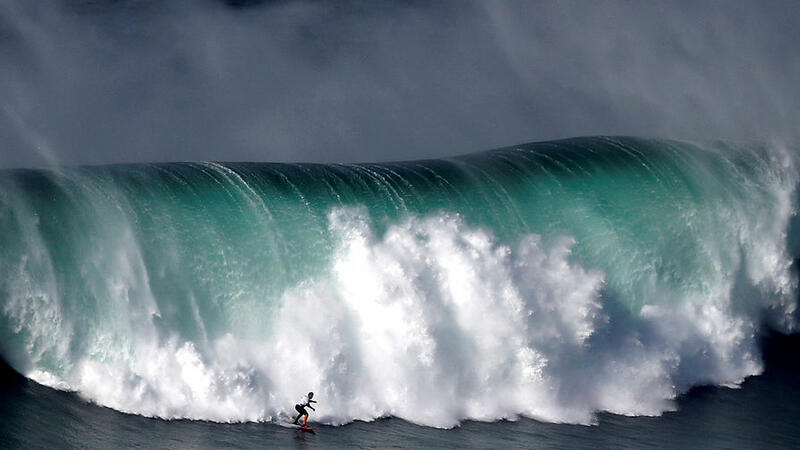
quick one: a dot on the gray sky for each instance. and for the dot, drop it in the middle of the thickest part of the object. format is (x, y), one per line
(92, 82)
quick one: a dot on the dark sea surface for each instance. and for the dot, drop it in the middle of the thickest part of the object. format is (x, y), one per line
(763, 413)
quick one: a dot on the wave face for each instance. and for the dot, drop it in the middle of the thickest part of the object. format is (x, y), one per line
(551, 280)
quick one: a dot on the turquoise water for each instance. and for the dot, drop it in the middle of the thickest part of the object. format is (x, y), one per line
(550, 280)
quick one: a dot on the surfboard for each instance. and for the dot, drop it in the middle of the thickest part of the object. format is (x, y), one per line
(297, 426)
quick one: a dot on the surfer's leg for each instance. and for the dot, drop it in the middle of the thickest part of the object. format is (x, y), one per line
(305, 419)
(300, 411)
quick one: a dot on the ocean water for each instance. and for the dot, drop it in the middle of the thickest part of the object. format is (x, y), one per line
(593, 291)
(763, 413)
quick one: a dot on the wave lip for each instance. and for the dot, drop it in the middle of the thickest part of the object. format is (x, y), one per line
(550, 280)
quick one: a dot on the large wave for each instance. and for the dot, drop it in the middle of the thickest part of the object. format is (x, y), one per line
(551, 280)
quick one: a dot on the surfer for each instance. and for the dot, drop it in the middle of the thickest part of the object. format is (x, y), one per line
(301, 407)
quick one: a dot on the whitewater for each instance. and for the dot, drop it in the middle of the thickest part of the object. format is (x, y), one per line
(551, 280)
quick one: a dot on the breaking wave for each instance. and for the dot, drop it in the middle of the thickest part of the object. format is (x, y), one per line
(551, 280)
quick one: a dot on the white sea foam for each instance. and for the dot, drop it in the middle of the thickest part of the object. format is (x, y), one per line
(433, 321)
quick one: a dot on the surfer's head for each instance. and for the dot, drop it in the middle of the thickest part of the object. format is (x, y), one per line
(310, 394)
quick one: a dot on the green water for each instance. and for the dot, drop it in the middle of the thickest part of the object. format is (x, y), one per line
(101, 262)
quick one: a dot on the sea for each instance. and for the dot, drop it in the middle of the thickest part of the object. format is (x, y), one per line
(604, 292)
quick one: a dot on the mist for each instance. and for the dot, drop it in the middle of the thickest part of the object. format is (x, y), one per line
(98, 82)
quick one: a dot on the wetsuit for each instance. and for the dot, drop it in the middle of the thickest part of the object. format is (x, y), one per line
(301, 408)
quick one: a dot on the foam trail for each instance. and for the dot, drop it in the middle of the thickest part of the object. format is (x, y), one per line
(552, 280)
